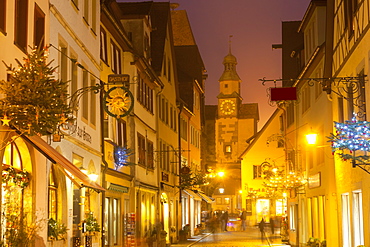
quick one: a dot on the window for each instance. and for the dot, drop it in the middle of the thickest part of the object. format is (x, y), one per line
(340, 110)
(145, 95)
(85, 97)
(362, 97)
(183, 129)
(171, 117)
(257, 172)
(112, 221)
(293, 217)
(53, 195)
(93, 16)
(350, 102)
(103, 45)
(3, 16)
(150, 152)
(358, 224)
(350, 8)
(163, 108)
(13, 196)
(226, 200)
(63, 63)
(74, 73)
(107, 217)
(115, 58)
(39, 27)
(141, 149)
(218, 200)
(115, 220)
(166, 112)
(346, 225)
(121, 133)
(21, 17)
(228, 149)
(86, 10)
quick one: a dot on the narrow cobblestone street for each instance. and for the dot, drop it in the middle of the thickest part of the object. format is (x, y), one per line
(249, 238)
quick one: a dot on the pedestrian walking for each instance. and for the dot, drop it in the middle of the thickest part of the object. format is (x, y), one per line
(224, 220)
(243, 217)
(261, 226)
(272, 224)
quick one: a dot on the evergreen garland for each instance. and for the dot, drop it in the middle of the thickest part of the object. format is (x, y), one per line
(33, 100)
(18, 178)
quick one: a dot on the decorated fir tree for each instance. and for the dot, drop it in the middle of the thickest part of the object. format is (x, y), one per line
(32, 100)
(352, 138)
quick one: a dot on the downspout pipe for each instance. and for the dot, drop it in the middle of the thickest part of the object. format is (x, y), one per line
(104, 163)
(181, 106)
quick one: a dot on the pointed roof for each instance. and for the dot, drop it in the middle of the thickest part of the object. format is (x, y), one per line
(182, 34)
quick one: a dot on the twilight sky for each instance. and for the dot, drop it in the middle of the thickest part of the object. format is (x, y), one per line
(255, 26)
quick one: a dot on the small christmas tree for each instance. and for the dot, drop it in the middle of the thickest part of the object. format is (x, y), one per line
(352, 135)
(33, 101)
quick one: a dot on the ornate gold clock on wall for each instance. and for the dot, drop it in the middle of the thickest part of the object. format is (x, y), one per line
(118, 102)
(228, 107)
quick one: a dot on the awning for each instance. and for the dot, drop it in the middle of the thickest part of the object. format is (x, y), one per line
(57, 158)
(193, 194)
(205, 197)
(118, 188)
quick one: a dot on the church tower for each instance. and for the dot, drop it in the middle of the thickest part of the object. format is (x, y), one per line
(229, 98)
(234, 124)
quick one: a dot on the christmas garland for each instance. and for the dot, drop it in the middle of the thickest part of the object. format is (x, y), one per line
(17, 177)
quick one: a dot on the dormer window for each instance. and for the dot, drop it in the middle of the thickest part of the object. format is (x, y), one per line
(228, 149)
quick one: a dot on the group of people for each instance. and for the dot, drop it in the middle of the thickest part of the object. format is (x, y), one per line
(217, 221)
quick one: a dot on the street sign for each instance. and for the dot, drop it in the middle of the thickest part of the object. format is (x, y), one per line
(283, 93)
(121, 79)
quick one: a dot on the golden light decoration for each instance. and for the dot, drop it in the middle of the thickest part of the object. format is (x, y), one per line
(5, 120)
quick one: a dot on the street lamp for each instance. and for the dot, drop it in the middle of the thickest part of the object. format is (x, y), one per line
(221, 174)
(311, 138)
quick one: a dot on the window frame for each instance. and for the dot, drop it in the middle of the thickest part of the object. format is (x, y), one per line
(3, 16)
(21, 24)
(39, 27)
(103, 45)
(54, 188)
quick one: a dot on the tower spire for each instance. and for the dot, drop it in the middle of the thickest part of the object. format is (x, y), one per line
(230, 36)
(230, 66)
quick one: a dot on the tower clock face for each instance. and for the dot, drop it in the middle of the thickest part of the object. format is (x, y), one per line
(228, 107)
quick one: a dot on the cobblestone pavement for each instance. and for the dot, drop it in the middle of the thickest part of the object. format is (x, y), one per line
(249, 238)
